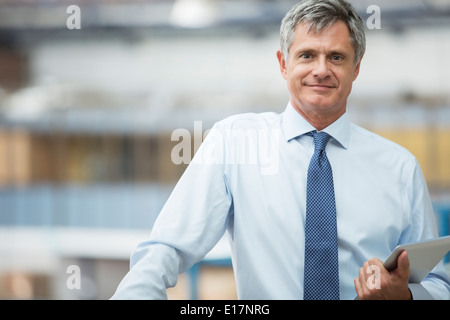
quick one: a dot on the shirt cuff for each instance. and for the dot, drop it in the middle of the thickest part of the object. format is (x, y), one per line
(418, 292)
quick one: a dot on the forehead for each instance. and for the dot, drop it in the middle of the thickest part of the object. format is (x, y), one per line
(335, 37)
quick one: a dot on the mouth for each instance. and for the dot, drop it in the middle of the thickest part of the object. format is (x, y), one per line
(320, 87)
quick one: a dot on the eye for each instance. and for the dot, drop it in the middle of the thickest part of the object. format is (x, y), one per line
(337, 57)
(305, 56)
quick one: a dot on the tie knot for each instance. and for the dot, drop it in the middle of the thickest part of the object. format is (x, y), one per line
(320, 140)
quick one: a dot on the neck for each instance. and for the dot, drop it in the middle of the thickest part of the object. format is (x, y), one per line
(318, 118)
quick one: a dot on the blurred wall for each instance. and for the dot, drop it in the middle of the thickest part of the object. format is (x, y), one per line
(86, 118)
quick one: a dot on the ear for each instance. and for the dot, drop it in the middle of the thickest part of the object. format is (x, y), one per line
(282, 61)
(356, 71)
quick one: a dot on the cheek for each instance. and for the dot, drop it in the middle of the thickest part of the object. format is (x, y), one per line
(296, 76)
(346, 84)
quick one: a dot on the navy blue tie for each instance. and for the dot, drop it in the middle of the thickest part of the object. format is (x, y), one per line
(321, 281)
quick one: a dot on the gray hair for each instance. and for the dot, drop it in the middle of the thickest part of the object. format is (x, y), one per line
(322, 14)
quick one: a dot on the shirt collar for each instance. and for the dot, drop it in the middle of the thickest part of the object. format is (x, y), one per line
(294, 125)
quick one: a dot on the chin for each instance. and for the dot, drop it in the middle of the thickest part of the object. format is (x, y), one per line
(321, 103)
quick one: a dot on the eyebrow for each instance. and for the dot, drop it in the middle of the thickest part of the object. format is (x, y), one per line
(311, 50)
(314, 52)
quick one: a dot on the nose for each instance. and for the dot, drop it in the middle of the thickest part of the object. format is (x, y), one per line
(321, 69)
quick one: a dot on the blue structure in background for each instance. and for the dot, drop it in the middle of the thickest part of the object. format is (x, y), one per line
(442, 211)
(88, 206)
(114, 206)
(106, 206)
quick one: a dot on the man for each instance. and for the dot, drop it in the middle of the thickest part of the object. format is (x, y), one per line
(251, 177)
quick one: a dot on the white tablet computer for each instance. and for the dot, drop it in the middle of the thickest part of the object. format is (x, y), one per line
(423, 256)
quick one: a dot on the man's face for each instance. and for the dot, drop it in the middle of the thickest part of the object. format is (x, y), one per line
(320, 71)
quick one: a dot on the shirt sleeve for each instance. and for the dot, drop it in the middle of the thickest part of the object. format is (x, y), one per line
(436, 285)
(192, 221)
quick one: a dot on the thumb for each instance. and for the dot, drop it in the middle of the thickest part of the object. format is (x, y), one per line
(403, 265)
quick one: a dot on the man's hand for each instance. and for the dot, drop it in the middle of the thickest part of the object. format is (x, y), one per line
(391, 285)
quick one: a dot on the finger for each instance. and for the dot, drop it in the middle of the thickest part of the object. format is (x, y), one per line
(366, 265)
(362, 273)
(403, 260)
(358, 288)
(364, 290)
(403, 264)
(375, 262)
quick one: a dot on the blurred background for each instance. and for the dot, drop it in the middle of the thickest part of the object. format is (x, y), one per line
(88, 106)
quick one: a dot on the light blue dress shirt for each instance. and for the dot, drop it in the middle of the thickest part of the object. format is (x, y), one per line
(249, 179)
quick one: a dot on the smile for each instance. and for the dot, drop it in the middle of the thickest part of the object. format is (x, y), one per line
(320, 86)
